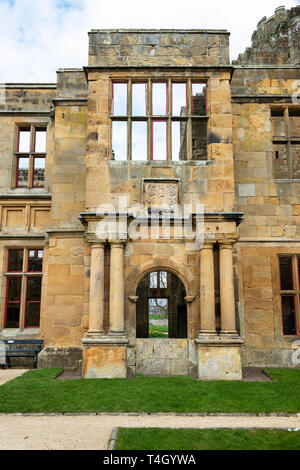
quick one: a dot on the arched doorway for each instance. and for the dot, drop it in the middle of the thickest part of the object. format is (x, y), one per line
(161, 310)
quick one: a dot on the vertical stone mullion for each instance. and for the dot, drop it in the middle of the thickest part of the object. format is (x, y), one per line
(189, 146)
(149, 111)
(287, 134)
(129, 121)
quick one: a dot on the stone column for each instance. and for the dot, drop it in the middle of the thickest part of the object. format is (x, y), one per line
(227, 289)
(116, 296)
(207, 289)
(96, 304)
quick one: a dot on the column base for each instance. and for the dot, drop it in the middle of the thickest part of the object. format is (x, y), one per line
(104, 358)
(219, 357)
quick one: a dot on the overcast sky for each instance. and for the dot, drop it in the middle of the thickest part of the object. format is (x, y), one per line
(37, 37)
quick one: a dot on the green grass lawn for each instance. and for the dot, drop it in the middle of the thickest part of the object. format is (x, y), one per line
(206, 439)
(38, 391)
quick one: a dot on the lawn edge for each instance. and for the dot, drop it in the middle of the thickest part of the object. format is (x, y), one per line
(255, 415)
(112, 439)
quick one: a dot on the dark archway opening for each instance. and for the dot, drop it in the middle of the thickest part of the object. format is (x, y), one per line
(161, 310)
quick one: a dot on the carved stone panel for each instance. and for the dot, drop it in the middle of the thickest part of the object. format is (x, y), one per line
(160, 194)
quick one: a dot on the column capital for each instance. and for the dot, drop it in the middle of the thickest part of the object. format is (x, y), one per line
(208, 245)
(117, 243)
(226, 244)
(97, 244)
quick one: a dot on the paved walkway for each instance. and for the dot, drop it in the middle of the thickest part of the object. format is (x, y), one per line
(93, 432)
(8, 374)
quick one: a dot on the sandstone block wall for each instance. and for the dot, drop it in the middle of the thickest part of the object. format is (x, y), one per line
(164, 48)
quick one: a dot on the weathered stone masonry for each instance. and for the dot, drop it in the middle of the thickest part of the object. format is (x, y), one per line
(239, 158)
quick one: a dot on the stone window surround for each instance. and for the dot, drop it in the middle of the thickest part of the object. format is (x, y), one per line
(189, 118)
(24, 274)
(31, 155)
(287, 139)
(295, 292)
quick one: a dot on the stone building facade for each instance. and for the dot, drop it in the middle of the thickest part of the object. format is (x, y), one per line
(150, 205)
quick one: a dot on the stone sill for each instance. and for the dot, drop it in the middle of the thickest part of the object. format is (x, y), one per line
(16, 333)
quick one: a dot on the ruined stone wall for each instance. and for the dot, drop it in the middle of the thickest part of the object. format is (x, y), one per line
(266, 191)
(276, 40)
(163, 48)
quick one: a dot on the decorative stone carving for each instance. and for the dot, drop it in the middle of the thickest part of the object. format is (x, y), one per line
(159, 194)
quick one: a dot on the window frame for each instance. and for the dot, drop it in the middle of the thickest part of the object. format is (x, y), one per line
(31, 155)
(295, 292)
(287, 140)
(169, 118)
(24, 275)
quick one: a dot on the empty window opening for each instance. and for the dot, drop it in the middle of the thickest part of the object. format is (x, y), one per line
(161, 310)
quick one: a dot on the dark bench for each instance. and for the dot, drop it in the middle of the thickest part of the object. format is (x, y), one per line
(22, 348)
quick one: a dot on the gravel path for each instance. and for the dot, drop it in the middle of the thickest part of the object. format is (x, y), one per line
(8, 374)
(93, 432)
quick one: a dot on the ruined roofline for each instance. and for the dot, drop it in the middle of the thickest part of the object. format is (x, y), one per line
(160, 31)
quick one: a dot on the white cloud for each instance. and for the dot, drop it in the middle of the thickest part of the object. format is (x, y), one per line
(38, 37)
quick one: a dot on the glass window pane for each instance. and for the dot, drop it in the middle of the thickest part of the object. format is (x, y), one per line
(34, 285)
(12, 315)
(163, 279)
(22, 172)
(178, 99)
(40, 141)
(179, 140)
(199, 139)
(153, 280)
(159, 99)
(119, 140)
(24, 141)
(120, 99)
(286, 273)
(15, 261)
(159, 150)
(35, 261)
(139, 99)
(198, 99)
(139, 140)
(32, 317)
(158, 318)
(14, 289)
(288, 315)
(39, 172)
